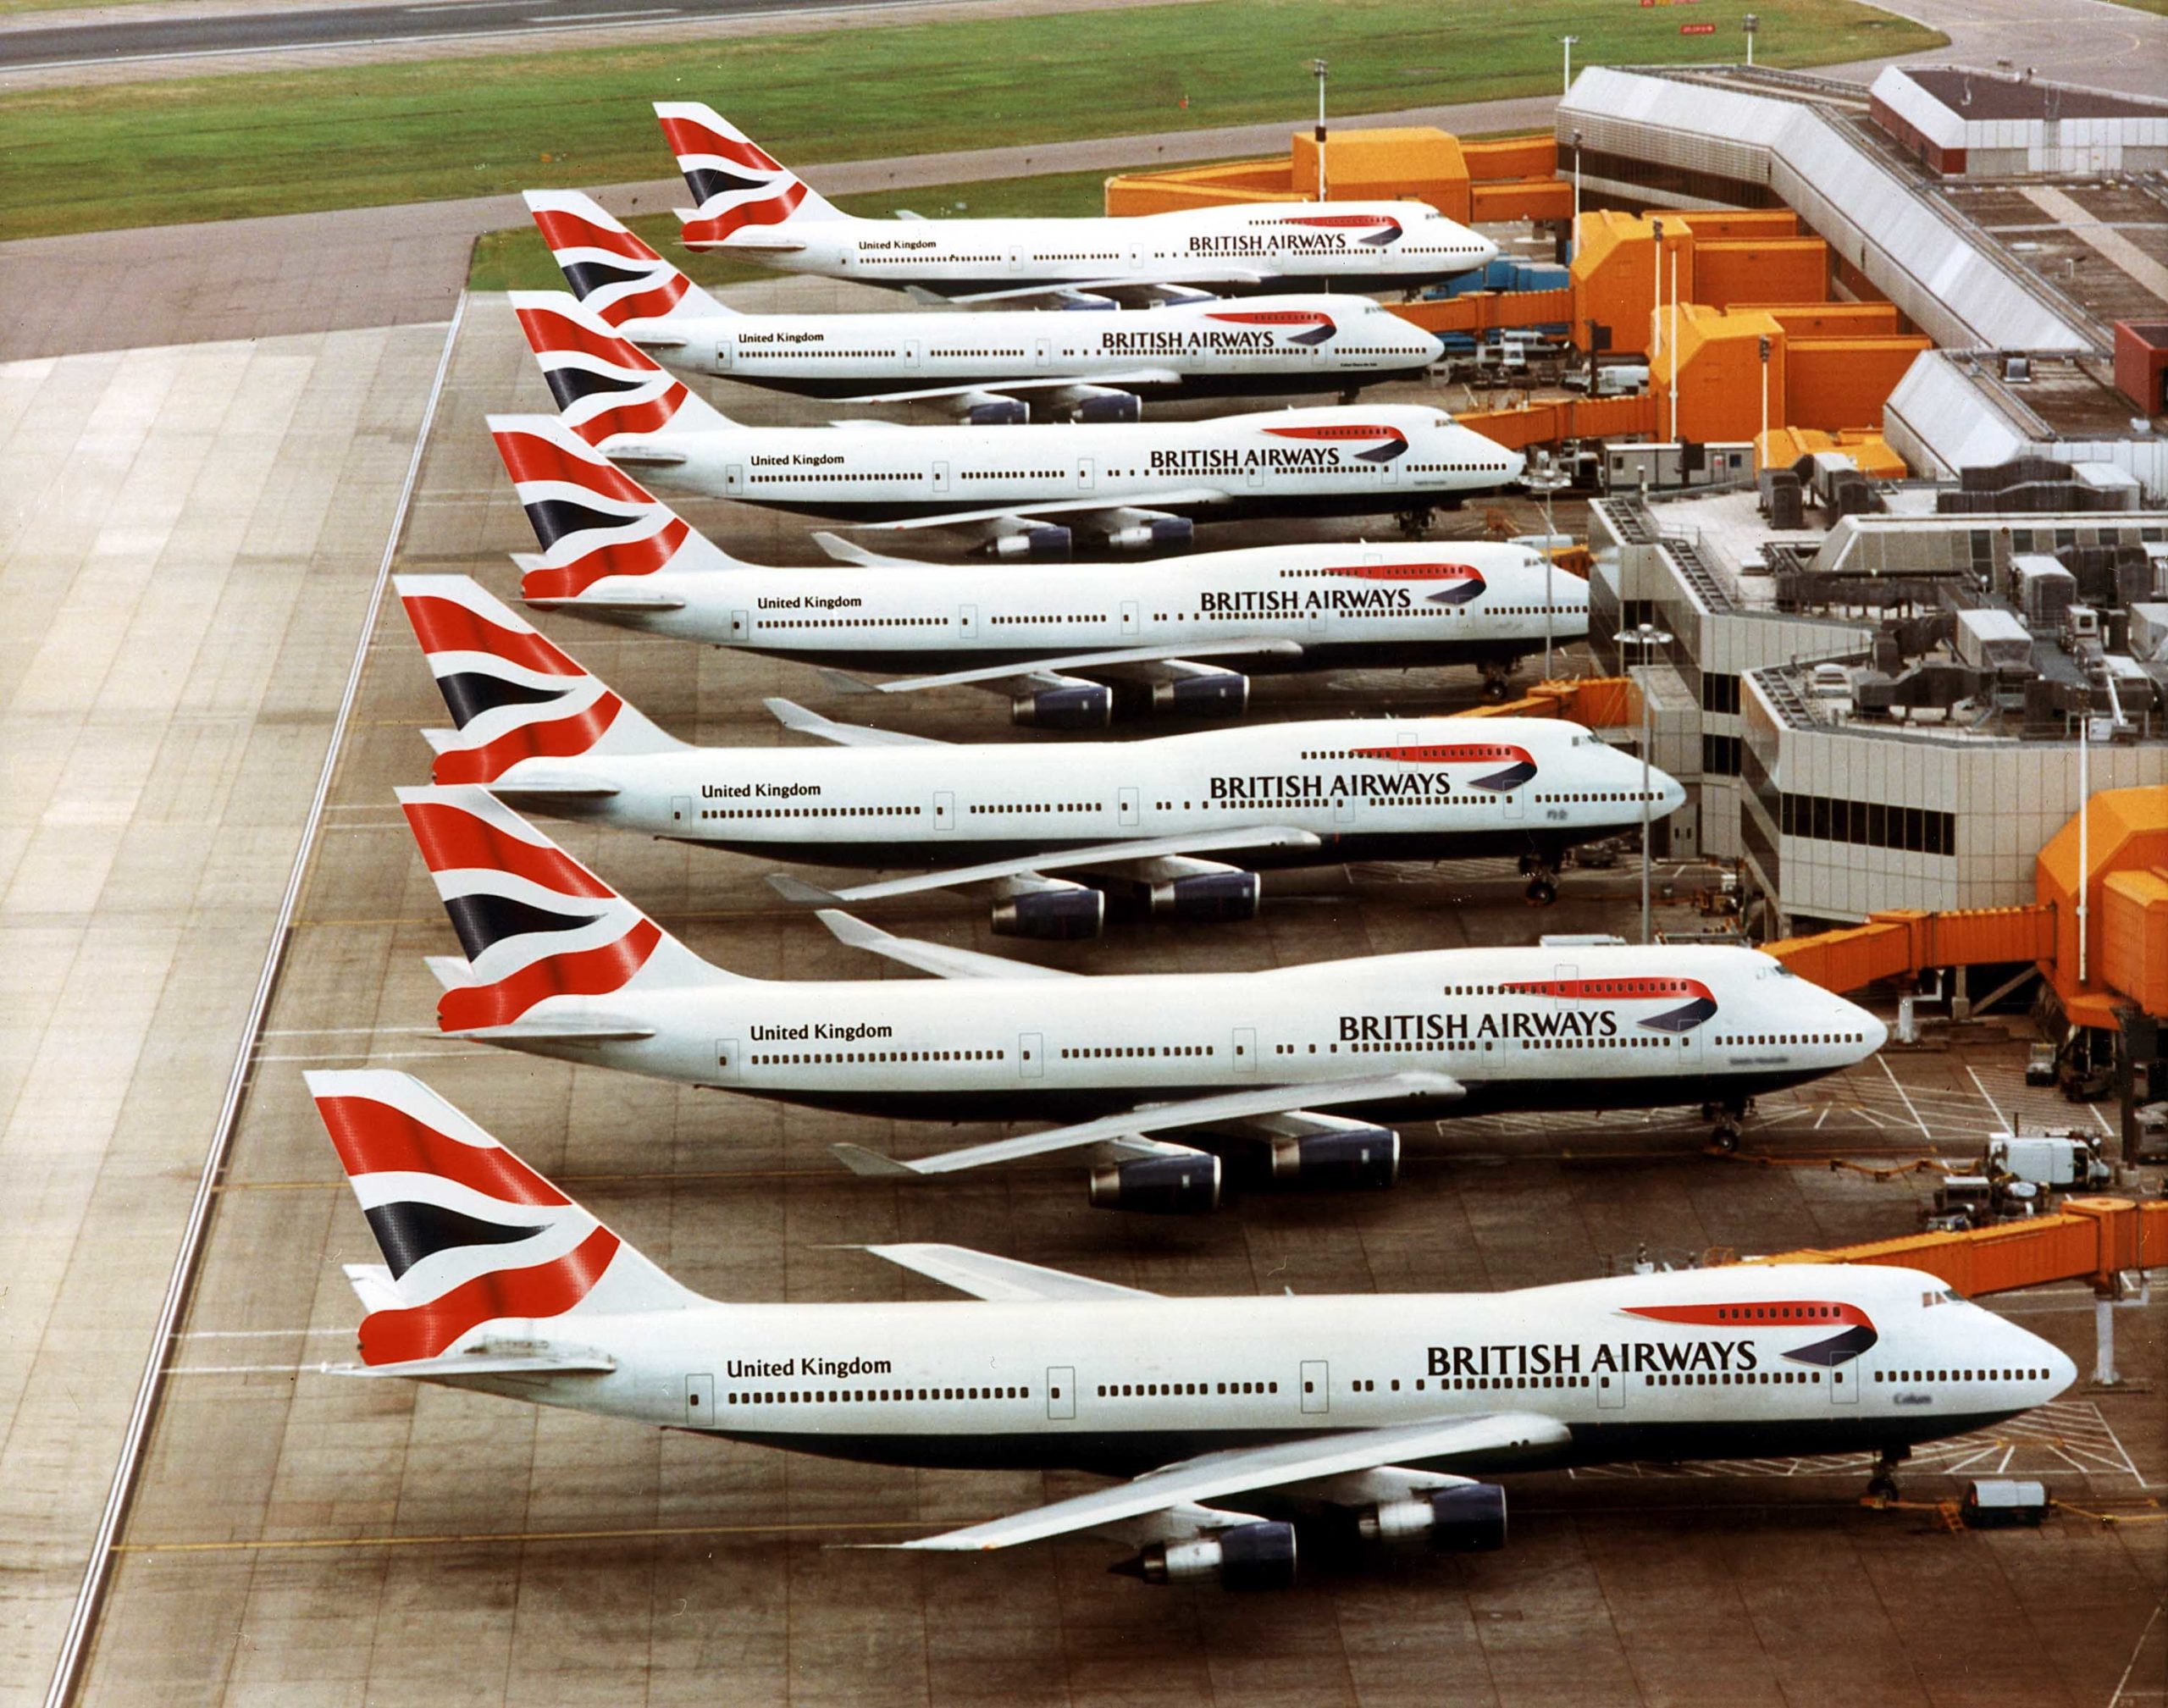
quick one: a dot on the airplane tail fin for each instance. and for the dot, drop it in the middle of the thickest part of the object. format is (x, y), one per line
(604, 384)
(534, 923)
(595, 522)
(741, 191)
(473, 1239)
(609, 268)
(513, 694)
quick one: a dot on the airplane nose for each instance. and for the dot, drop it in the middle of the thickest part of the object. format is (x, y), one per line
(1515, 463)
(1437, 348)
(1872, 1033)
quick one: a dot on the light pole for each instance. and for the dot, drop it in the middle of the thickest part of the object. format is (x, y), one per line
(1317, 70)
(1573, 247)
(1647, 637)
(1656, 291)
(1675, 433)
(1546, 478)
(1749, 24)
(1761, 445)
(1566, 85)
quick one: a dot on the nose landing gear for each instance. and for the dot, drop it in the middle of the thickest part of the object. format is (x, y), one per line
(1415, 524)
(1882, 1483)
(1497, 680)
(1731, 1122)
(1542, 875)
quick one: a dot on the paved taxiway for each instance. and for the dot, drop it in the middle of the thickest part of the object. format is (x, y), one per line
(303, 1538)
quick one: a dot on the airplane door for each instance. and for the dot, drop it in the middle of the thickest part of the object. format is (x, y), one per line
(1030, 1055)
(1128, 616)
(1511, 799)
(681, 809)
(1042, 353)
(1061, 1390)
(1343, 809)
(725, 348)
(700, 1401)
(1317, 618)
(1016, 258)
(1135, 258)
(967, 621)
(1130, 804)
(1245, 1049)
(1087, 475)
(1844, 1383)
(944, 810)
(941, 477)
(1610, 1391)
(733, 478)
(740, 629)
(727, 1058)
(1317, 1385)
(1257, 474)
(909, 353)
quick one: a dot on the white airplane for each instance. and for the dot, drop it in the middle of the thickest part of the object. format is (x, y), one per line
(988, 368)
(1226, 1416)
(1121, 637)
(749, 204)
(1021, 490)
(536, 728)
(1284, 1066)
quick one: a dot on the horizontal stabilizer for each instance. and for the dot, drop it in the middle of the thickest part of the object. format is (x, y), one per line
(542, 1363)
(566, 1029)
(542, 785)
(628, 602)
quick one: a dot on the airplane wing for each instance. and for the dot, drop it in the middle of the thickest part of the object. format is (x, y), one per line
(1204, 841)
(850, 552)
(1158, 503)
(1135, 376)
(984, 1276)
(1249, 1470)
(1194, 1112)
(1188, 280)
(993, 674)
(792, 715)
(938, 959)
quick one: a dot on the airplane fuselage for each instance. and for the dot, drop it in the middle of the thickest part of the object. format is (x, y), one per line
(1740, 1362)
(1278, 246)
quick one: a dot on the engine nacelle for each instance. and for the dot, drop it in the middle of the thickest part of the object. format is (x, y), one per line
(1161, 533)
(1118, 406)
(998, 411)
(1248, 1557)
(1210, 898)
(1465, 1518)
(1222, 695)
(1184, 1185)
(1048, 541)
(1086, 705)
(1051, 915)
(1358, 1159)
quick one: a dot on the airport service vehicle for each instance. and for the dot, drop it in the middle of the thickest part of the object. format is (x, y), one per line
(1231, 1417)
(536, 728)
(1180, 635)
(1019, 490)
(991, 368)
(750, 204)
(1285, 1069)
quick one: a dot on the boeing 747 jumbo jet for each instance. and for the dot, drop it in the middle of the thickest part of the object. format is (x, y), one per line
(1119, 638)
(1229, 1417)
(537, 729)
(1273, 1064)
(749, 204)
(1133, 485)
(990, 367)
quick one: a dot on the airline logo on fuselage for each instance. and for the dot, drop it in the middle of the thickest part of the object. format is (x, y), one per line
(1855, 1331)
(1696, 1003)
(1714, 1355)
(1519, 766)
(1253, 334)
(1306, 234)
(1462, 584)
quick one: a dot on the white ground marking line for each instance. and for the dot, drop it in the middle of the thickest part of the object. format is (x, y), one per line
(2137, 1650)
(349, 1032)
(84, 1616)
(618, 16)
(238, 1369)
(253, 1333)
(1908, 1109)
(450, 1047)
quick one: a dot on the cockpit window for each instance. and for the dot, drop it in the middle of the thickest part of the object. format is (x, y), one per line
(1942, 1295)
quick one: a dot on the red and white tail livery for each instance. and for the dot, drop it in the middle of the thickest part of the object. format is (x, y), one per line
(610, 269)
(605, 386)
(536, 927)
(478, 1247)
(742, 189)
(513, 695)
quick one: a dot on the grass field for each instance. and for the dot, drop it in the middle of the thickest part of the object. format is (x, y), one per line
(519, 260)
(215, 148)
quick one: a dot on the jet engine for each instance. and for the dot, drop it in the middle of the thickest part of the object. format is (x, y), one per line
(1351, 1159)
(1187, 1184)
(1210, 898)
(1463, 1518)
(1248, 1557)
(1046, 540)
(1053, 915)
(1118, 408)
(1082, 705)
(1160, 533)
(998, 411)
(1223, 693)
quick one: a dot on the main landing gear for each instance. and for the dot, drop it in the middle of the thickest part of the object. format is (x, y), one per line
(1415, 524)
(1496, 683)
(1882, 1482)
(1731, 1121)
(1542, 880)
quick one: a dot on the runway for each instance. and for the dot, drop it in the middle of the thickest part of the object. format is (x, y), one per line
(317, 1539)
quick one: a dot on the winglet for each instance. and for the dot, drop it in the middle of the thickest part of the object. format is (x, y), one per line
(874, 1165)
(792, 715)
(792, 889)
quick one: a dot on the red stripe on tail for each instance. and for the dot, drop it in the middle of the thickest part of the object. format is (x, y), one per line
(543, 1290)
(1762, 1311)
(560, 738)
(769, 210)
(623, 557)
(444, 625)
(583, 973)
(689, 136)
(563, 230)
(651, 304)
(374, 1138)
(452, 839)
(631, 418)
(551, 333)
(529, 458)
